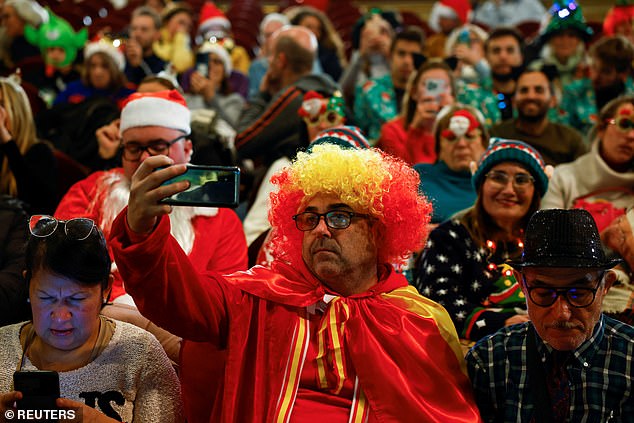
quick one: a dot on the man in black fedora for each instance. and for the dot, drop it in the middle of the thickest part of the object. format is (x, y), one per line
(570, 363)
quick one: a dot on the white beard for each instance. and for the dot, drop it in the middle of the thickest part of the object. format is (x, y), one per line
(114, 189)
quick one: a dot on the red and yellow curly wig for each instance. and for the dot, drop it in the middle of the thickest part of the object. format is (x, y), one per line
(369, 181)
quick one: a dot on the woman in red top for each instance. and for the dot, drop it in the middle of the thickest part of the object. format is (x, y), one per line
(410, 136)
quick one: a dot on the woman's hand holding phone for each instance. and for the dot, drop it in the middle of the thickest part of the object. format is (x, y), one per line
(83, 413)
(7, 402)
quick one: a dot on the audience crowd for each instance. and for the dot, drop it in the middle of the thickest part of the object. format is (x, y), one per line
(474, 173)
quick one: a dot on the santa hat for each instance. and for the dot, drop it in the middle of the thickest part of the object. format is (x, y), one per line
(616, 16)
(452, 9)
(105, 46)
(163, 108)
(30, 11)
(213, 22)
(219, 50)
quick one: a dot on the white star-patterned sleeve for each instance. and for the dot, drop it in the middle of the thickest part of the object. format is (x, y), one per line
(450, 271)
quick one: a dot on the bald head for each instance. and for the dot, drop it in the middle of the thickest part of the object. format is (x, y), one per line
(298, 45)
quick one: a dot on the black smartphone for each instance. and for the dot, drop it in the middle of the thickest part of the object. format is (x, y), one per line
(209, 186)
(40, 389)
(202, 64)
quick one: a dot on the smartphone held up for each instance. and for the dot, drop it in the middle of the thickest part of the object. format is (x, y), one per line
(209, 186)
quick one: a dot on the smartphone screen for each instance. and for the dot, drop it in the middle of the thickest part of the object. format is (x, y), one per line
(39, 389)
(434, 87)
(202, 64)
(209, 186)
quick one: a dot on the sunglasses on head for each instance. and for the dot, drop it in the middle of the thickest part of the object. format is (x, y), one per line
(623, 124)
(331, 117)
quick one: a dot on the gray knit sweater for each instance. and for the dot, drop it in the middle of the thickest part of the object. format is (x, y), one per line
(132, 380)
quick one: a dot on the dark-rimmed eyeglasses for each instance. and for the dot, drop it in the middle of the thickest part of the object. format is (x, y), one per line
(132, 150)
(578, 297)
(623, 124)
(520, 180)
(335, 219)
(78, 229)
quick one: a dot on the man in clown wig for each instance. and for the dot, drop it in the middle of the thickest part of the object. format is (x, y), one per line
(329, 331)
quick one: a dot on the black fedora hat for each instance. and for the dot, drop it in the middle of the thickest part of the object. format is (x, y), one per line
(563, 238)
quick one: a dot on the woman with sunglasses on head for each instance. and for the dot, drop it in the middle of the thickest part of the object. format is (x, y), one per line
(410, 135)
(463, 264)
(603, 180)
(28, 168)
(108, 370)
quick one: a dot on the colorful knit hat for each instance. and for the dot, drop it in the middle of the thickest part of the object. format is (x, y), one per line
(163, 108)
(453, 9)
(503, 150)
(348, 137)
(212, 22)
(105, 45)
(57, 32)
(566, 14)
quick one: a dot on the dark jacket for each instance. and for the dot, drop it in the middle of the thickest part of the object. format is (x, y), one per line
(13, 236)
(270, 128)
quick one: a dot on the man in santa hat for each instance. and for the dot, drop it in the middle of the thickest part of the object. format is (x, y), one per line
(152, 124)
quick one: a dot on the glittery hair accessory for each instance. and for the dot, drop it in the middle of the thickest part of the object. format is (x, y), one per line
(563, 238)
(312, 105)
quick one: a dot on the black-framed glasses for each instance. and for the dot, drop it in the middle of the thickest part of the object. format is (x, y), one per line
(520, 180)
(578, 297)
(132, 150)
(78, 228)
(335, 219)
(623, 124)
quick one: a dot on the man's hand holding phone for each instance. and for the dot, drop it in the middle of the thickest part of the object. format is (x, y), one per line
(147, 189)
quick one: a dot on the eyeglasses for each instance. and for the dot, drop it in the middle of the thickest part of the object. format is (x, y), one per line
(578, 297)
(623, 124)
(132, 150)
(78, 229)
(335, 219)
(332, 118)
(521, 181)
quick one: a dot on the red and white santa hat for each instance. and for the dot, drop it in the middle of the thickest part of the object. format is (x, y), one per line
(453, 9)
(105, 46)
(213, 22)
(163, 108)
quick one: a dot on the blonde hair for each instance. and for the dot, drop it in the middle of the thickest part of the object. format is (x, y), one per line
(21, 126)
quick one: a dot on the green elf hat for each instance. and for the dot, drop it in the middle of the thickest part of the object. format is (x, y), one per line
(57, 32)
(566, 14)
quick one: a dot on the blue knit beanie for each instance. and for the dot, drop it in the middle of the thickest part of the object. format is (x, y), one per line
(503, 150)
(348, 137)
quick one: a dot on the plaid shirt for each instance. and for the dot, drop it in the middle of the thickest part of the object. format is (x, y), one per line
(601, 375)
